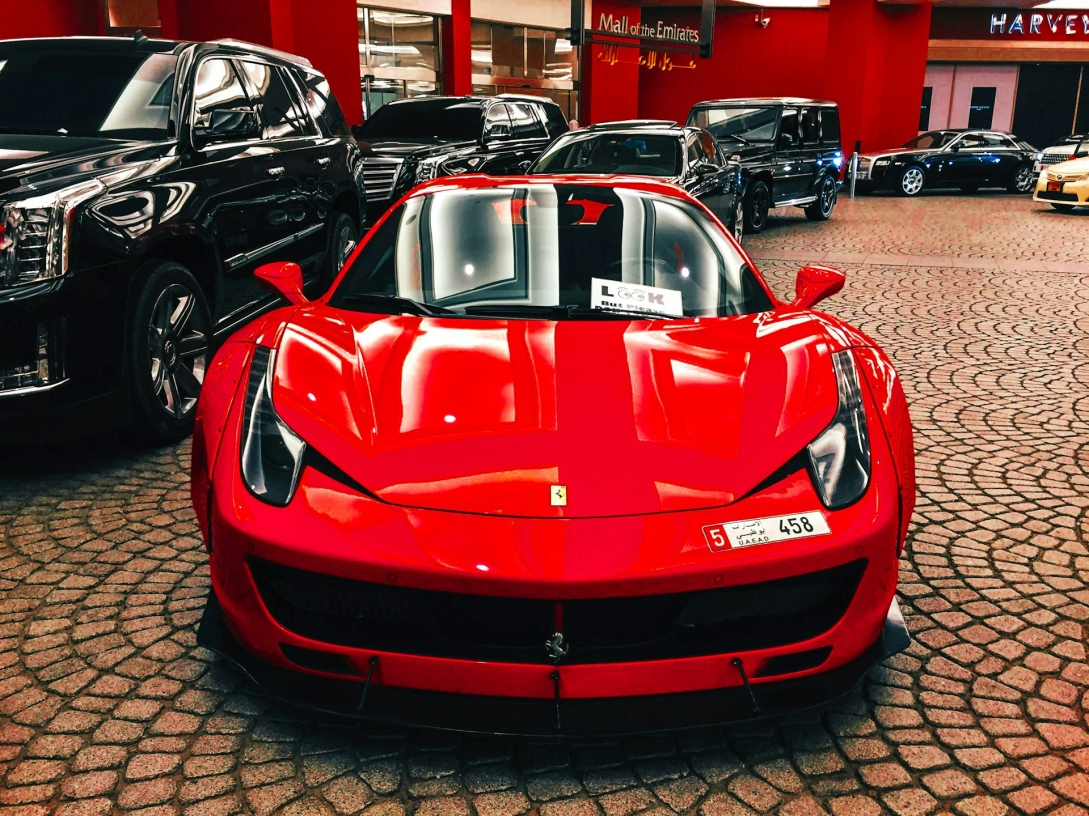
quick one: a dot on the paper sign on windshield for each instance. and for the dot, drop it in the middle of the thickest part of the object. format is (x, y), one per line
(634, 297)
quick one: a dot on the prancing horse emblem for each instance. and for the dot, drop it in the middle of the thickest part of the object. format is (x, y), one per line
(559, 495)
(557, 647)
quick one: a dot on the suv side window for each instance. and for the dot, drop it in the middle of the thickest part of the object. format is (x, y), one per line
(497, 123)
(526, 125)
(788, 127)
(554, 120)
(810, 126)
(830, 126)
(217, 87)
(280, 109)
(323, 105)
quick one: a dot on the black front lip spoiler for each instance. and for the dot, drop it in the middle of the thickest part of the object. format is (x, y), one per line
(542, 716)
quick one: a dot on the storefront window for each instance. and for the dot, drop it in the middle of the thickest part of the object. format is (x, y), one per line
(516, 59)
(399, 56)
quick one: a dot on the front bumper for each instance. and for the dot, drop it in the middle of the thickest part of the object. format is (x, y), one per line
(1074, 193)
(542, 716)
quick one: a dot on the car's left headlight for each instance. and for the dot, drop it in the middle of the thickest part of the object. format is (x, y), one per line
(427, 169)
(271, 453)
(839, 459)
(35, 234)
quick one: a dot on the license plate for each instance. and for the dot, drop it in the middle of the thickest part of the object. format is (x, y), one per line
(1054, 187)
(732, 535)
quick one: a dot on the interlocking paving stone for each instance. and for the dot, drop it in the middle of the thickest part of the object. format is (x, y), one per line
(108, 706)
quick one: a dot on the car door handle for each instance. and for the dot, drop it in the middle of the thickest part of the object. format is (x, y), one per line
(324, 161)
(275, 171)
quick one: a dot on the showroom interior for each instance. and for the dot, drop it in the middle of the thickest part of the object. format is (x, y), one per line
(544, 407)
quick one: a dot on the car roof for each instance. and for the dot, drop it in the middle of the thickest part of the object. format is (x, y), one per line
(764, 100)
(129, 44)
(481, 181)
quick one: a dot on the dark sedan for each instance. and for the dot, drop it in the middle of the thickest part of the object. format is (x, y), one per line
(687, 156)
(964, 159)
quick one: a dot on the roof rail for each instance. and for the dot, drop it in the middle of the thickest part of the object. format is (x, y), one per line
(242, 45)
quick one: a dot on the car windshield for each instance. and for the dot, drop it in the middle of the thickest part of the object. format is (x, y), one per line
(741, 124)
(928, 141)
(638, 154)
(446, 119)
(108, 94)
(563, 251)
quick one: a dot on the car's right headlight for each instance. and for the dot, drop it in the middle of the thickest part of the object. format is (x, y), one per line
(35, 234)
(271, 453)
(839, 459)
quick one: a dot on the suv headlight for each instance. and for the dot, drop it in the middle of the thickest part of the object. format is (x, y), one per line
(839, 459)
(35, 234)
(427, 169)
(272, 454)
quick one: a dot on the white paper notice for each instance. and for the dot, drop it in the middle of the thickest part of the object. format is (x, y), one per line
(613, 296)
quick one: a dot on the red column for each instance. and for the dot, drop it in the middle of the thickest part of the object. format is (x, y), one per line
(457, 45)
(610, 81)
(874, 67)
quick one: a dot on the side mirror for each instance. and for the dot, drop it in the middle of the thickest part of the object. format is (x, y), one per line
(706, 169)
(955, 147)
(786, 140)
(525, 165)
(814, 284)
(282, 278)
(228, 124)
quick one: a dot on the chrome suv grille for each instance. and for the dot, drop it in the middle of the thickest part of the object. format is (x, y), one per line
(379, 175)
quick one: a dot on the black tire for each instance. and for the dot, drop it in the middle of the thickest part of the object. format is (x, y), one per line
(757, 204)
(169, 339)
(1022, 180)
(1062, 207)
(912, 181)
(343, 236)
(821, 209)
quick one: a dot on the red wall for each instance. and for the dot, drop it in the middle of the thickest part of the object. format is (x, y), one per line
(610, 91)
(784, 59)
(50, 18)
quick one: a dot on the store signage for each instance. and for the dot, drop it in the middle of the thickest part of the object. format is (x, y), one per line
(661, 31)
(1035, 23)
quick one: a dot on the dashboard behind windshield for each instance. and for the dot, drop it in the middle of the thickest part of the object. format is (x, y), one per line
(112, 95)
(521, 250)
(450, 120)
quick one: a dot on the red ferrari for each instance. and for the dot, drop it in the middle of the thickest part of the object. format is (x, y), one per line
(550, 457)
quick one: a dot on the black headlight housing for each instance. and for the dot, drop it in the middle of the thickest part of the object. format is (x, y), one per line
(271, 454)
(839, 459)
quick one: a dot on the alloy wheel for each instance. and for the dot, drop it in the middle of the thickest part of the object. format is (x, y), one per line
(178, 343)
(828, 196)
(1022, 179)
(912, 181)
(759, 210)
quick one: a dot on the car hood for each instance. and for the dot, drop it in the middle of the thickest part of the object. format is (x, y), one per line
(39, 161)
(486, 416)
(1075, 166)
(415, 148)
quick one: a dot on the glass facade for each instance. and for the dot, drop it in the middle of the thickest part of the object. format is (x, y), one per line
(518, 59)
(400, 55)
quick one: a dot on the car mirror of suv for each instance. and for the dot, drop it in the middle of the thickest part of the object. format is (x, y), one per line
(786, 140)
(706, 169)
(229, 124)
(955, 147)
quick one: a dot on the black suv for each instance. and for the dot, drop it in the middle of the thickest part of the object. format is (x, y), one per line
(789, 151)
(413, 140)
(686, 156)
(141, 182)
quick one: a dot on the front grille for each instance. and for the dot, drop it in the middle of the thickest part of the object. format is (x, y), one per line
(379, 175)
(344, 612)
(1055, 158)
(33, 357)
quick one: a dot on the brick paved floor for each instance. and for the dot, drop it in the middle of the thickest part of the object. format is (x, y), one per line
(106, 704)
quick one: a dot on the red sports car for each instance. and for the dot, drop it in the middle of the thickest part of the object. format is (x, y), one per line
(551, 457)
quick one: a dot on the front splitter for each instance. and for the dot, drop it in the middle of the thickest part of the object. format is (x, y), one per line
(597, 716)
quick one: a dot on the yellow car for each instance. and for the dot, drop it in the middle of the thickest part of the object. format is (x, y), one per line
(1064, 186)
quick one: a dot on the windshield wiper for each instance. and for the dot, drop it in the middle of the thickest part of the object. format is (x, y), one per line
(391, 304)
(737, 138)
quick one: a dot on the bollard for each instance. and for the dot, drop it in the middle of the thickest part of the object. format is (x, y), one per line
(854, 166)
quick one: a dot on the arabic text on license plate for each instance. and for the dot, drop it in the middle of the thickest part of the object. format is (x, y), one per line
(733, 534)
(1054, 187)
